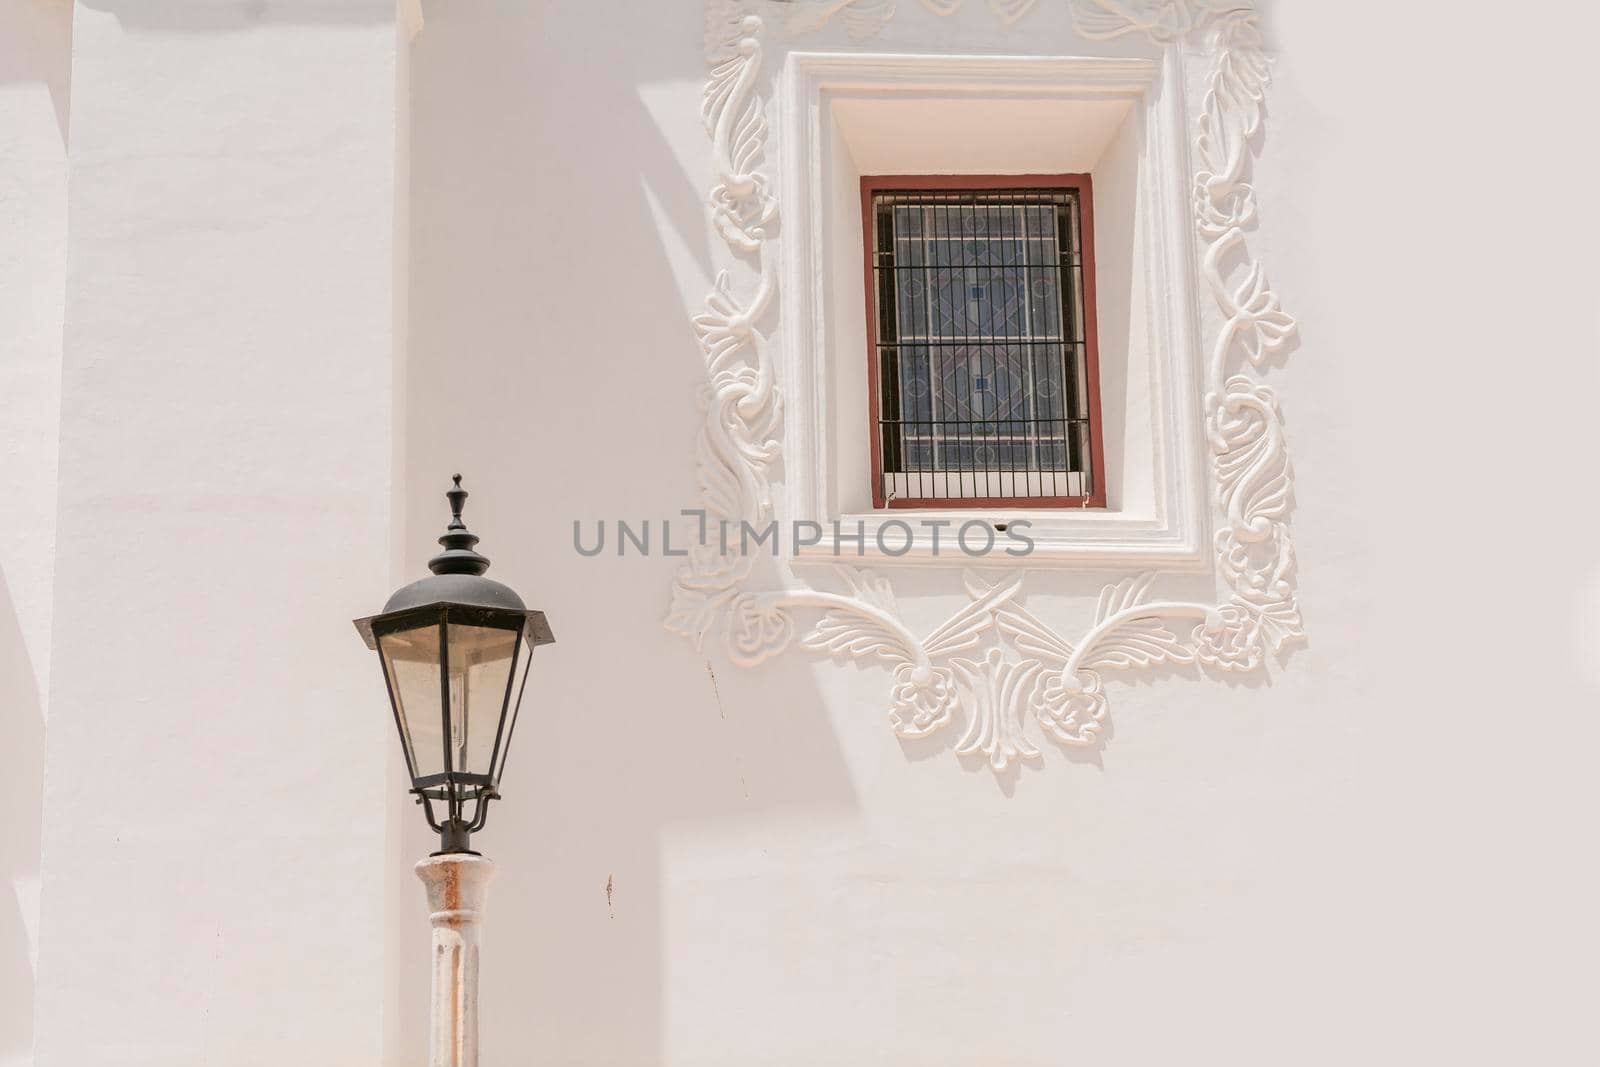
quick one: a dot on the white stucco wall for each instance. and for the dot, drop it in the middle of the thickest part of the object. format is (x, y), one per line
(1233, 879)
(1376, 852)
(226, 446)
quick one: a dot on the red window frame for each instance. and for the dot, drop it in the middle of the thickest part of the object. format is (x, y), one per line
(1083, 186)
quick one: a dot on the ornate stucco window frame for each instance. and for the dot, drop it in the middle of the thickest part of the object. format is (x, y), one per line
(1171, 527)
(995, 668)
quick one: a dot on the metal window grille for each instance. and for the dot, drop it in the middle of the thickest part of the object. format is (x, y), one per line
(982, 355)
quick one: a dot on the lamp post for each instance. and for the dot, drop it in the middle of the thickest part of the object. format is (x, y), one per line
(455, 649)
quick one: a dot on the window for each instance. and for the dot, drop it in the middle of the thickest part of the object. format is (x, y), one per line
(981, 341)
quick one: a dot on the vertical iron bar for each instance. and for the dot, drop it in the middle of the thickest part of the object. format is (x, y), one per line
(954, 253)
(1030, 388)
(935, 335)
(988, 349)
(1067, 229)
(889, 386)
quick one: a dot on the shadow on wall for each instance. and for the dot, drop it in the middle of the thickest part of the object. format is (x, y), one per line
(558, 243)
(1115, 210)
(36, 48)
(35, 51)
(22, 727)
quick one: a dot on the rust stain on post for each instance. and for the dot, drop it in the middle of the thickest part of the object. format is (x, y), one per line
(457, 886)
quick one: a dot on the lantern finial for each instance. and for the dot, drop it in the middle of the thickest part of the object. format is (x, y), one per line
(458, 556)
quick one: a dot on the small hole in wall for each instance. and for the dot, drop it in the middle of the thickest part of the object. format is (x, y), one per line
(1000, 527)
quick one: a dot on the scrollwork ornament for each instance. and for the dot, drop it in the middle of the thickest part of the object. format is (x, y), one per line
(1072, 709)
(1001, 691)
(1230, 640)
(741, 404)
(757, 629)
(922, 699)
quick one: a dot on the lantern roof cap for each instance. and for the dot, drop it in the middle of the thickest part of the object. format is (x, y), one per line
(466, 590)
(458, 576)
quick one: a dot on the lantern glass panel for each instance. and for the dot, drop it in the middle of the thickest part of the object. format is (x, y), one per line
(411, 657)
(480, 666)
(518, 688)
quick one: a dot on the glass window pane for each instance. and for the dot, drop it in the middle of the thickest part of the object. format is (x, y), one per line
(412, 661)
(518, 689)
(480, 665)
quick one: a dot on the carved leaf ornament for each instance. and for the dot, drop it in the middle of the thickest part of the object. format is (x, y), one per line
(993, 666)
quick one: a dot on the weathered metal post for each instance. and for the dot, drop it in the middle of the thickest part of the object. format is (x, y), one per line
(457, 885)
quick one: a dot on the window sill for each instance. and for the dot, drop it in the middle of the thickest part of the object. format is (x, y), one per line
(1061, 537)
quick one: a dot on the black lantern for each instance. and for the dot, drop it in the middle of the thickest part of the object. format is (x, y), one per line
(455, 649)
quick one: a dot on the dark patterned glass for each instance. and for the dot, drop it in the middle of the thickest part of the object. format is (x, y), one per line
(981, 343)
